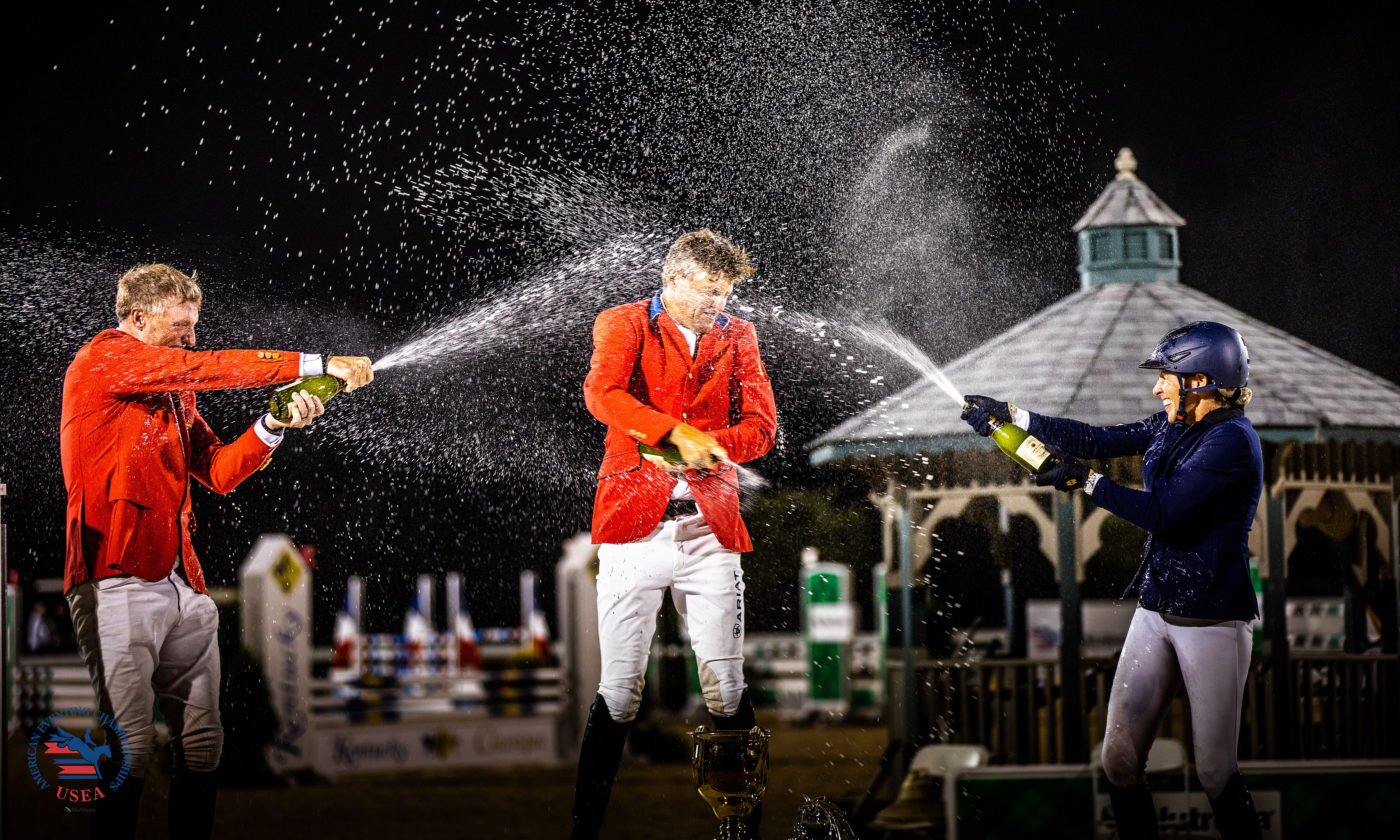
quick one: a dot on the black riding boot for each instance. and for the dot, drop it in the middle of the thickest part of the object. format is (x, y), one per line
(1134, 812)
(115, 817)
(598, 758)
(743, 720)
(1235, 817)
(743, 717)
(192, 798)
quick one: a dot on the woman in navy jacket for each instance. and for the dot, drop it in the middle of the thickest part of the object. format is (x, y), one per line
(1203, 472)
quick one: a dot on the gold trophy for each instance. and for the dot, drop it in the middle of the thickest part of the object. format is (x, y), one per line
(731, 773)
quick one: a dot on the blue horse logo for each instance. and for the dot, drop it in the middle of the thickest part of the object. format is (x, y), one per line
(84, 746)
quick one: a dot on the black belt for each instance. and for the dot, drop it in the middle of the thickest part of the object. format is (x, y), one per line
(677, 508)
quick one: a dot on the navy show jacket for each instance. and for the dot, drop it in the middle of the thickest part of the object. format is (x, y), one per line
(1202, 482)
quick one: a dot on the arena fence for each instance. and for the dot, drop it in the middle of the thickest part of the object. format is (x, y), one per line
(430, 685)
(44, 684)
(779, 669)
(381, 702)
(1342, 707)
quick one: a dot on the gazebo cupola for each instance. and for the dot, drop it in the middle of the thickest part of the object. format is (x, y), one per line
(1128, 235)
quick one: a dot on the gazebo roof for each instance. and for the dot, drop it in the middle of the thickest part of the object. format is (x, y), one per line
(1090, 373)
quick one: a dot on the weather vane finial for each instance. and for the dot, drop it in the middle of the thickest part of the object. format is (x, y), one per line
(1126, 165)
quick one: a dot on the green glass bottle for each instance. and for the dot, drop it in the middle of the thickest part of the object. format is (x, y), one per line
(669, 455)
(322, 385)
(1022, 447)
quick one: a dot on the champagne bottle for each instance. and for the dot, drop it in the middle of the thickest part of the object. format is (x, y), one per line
(322, 385)
(668, 456)
(1021, 446)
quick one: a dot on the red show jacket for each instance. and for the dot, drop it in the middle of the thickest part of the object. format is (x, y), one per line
(128, 458)
(642, 382)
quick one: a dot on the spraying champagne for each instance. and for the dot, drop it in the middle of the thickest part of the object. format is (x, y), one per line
(1020, 445)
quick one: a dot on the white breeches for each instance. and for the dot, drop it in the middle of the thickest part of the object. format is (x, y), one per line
(707, 587)
(145, 641)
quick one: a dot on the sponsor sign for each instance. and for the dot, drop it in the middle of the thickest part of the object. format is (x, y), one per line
(1190, 815)
(357, 749)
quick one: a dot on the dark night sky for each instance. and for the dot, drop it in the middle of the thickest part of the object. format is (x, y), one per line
(239, 146)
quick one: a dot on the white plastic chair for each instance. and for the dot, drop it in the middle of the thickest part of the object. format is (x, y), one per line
(944, 762)
(938, 759)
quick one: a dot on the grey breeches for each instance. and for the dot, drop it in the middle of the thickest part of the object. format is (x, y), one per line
(1161, 653)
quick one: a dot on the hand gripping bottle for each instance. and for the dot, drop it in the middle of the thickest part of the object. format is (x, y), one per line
(1021, 446)
(322, 385)
(667, 457)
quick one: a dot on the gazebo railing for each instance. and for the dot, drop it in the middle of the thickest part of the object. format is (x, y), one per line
(1342, 708)
(1345, 705)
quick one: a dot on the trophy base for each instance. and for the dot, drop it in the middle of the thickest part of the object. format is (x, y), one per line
(733, 828)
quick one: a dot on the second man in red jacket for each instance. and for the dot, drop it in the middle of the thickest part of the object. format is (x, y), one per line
(672, 370)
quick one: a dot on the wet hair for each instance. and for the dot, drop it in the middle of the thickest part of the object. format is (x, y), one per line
(713, 253)
(1238, 397)
(155, 285)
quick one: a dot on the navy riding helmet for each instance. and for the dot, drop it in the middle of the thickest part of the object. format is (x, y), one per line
(1205, 347)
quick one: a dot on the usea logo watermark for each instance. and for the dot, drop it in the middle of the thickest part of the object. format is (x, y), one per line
(80, 755)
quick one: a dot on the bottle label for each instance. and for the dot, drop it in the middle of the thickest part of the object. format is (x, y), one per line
(1033, 452)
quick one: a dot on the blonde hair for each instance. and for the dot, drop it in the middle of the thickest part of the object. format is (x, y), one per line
(1239, 397)
(713, 253)
(155, 285)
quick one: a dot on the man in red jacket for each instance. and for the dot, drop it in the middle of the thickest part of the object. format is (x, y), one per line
(131, 440)
(673, 371)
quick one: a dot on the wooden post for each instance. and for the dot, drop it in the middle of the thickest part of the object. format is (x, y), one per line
(906, 609)
(1276, 630)
(1071, 631)
(1394, 562)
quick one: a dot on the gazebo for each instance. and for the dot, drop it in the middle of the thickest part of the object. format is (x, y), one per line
(1330, 430)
